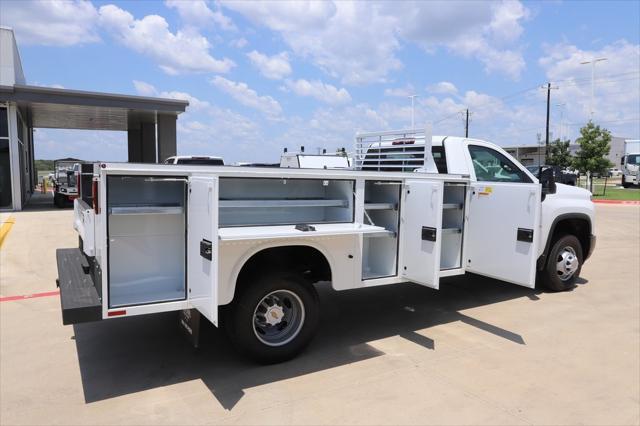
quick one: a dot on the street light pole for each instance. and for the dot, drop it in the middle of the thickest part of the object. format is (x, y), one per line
(413, 97)
(561, 129)
(593, 63)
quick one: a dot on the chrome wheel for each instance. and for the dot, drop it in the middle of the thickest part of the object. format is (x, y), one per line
(278, 318)
(567, 263)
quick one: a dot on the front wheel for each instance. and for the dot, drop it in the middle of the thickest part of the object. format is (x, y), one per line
(563, 264)
(273, 317)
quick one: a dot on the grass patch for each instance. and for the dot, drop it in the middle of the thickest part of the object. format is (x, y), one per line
(629, 194)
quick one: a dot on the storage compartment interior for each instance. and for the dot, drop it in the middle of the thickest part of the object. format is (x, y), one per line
(146, 227)
(379, 251)
(269, 201)
(452, 226)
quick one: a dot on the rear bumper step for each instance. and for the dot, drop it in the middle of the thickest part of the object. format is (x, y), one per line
(79, 296)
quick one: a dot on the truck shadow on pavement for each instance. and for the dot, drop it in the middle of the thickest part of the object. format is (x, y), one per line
(128, 355)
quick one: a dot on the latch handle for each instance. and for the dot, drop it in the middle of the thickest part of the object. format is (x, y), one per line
(206, 249)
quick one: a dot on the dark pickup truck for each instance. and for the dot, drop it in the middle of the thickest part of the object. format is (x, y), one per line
(559, 175)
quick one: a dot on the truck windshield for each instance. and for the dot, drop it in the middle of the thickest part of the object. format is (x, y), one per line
(633, 159)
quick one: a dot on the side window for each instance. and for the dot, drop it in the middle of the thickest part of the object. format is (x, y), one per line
(492, 166)
(439, 158)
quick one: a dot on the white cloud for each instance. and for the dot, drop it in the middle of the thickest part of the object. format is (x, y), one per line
(275, 67)
(175, 53)
(472, 29)
(348, 40)
(198, 13)
(239, 43)
(332, 128)
(321, 91)
(242, 93)
(400, 92)
(617, 84)
(144, 88)
(51, 22)
(443, 87)
(358, 41)
(207, 129)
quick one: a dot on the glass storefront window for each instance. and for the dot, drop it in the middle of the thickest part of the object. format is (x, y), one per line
(4, 124)
(5, 162)
(5, 174)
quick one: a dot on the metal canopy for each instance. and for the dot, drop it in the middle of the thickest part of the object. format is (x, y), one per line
(75, 109)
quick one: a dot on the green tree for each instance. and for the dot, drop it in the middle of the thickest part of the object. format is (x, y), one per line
(595, 144)
(559, 154)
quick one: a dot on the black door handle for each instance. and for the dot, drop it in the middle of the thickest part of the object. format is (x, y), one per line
(206, 249)
(525, 235)
(428, 233)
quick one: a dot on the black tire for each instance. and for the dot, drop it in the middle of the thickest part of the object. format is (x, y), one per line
(567, 249)
(243, 329)
(58, 201)
(624, 183)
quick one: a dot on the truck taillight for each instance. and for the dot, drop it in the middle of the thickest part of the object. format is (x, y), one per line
(94, 197)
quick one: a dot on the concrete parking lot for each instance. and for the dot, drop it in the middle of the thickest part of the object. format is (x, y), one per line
(478, 351)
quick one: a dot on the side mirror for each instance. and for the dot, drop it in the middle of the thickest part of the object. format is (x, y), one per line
(548, 181)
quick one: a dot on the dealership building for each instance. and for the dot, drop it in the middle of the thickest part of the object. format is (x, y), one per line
(533, 155)
(150, 123)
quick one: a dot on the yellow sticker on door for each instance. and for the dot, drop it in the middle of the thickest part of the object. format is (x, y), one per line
(487, 191)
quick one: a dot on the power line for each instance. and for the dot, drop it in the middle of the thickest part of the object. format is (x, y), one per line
(601, 77)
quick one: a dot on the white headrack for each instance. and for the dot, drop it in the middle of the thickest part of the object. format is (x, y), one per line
(395, 150)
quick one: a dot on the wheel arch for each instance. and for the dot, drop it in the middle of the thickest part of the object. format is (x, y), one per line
(578, 224)
(305, 257)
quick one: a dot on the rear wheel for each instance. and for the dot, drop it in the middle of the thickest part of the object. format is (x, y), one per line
(563, 264)
(273, 318)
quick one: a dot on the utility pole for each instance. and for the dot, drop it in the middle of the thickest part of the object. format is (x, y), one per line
(413, 97)
(466, 125)
(546, 150)
(561, 127)
(593, 63)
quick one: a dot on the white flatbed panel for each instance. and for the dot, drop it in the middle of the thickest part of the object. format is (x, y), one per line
(290, 231)
(270, 172)
(202, 272)
(421, 232)
(496, 211)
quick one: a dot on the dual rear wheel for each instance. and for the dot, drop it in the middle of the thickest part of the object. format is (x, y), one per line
(273, 317)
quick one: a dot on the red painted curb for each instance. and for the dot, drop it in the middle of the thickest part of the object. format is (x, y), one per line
(628, 202)
(29, 296)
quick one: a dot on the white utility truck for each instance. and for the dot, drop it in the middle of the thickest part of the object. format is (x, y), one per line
(302, 160)
(244, 246)
(630, 163)
(65, 187)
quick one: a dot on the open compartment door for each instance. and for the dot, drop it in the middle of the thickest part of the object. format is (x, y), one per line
(421, 232)
(502, 231)
(202, 246)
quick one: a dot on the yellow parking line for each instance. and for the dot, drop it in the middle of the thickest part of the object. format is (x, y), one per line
(5, 228)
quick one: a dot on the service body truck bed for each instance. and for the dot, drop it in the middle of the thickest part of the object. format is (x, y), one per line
(243, 246)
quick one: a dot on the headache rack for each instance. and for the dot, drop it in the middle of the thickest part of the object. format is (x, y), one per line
(395, 151)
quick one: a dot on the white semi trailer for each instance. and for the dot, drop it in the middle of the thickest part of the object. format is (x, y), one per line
(630, 163)
(244, 246)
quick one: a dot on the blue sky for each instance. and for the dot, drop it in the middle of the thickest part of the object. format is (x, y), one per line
(262, 76)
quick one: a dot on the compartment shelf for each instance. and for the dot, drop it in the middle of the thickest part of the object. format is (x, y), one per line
(455, 206)
(139, 210)
(289, 231)
(275, 203)
(451, 231)
(380, 206)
